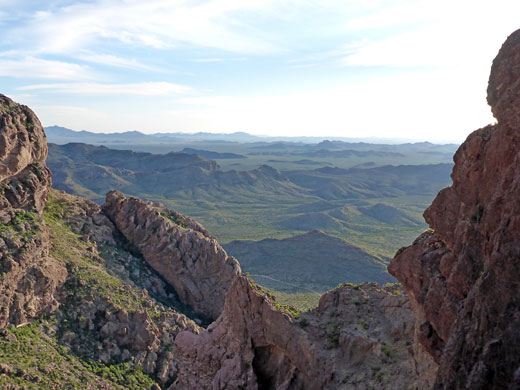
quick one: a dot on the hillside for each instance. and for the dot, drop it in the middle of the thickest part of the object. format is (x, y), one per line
(378, 208)
(312, 262)
(93, 170)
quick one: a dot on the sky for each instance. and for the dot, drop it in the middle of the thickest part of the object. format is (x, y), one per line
(414, 70)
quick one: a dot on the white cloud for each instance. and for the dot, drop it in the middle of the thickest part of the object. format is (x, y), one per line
(31, 67)
(115, 61)
(154, 23)
(136, 89)
(217, 59)
(443, 33)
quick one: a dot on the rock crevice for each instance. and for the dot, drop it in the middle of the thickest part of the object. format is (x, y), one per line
(356, 338)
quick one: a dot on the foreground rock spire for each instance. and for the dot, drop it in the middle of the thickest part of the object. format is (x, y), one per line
(463, 277)
(29, 277)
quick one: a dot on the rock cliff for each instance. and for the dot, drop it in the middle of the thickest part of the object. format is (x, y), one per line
(29, 277)
(463, 276)
(62, 264)
(113, 307)
(357, 338)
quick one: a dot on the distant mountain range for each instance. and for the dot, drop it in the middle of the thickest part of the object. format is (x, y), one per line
(375, 207)
(58, 134)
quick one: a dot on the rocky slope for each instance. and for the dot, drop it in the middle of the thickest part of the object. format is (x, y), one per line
(463, 277)
(78, 310)
(113, 308)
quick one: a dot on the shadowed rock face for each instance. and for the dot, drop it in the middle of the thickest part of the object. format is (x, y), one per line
(179, 249)
(29, 277)
(463, 279)
(355, 339)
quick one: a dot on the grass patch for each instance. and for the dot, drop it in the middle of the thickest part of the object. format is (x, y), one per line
(32, 358)
(23, 226)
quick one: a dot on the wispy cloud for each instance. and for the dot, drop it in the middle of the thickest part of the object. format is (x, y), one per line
(422, 33)
(332, 57)
(31, 67)
(215, 59)
(115, 61)
(156, 23)
(135, 89)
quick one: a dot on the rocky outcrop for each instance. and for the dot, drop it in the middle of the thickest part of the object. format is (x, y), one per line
(357, 338)
(463, 277)
(114, 308)
(29, 277)
(178, 248)
(24, 178)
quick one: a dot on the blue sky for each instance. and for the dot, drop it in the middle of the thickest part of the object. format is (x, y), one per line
(374, 68)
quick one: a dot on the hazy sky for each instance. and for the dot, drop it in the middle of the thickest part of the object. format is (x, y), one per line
(396, 68)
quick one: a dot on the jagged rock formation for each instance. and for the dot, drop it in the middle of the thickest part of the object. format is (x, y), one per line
(178, 248)
(357, 338)
(29, 277)
(463, 277)
(63, 258)
(23, 149)
(101, 326)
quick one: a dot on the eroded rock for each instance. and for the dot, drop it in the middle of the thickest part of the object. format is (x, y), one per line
(463, 279)
(29, 277)
(357, 338)
(178, 248)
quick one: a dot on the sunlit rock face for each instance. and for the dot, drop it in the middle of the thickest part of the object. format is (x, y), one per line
(179, 249)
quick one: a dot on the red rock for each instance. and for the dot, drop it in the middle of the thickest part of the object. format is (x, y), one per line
(464, 280)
